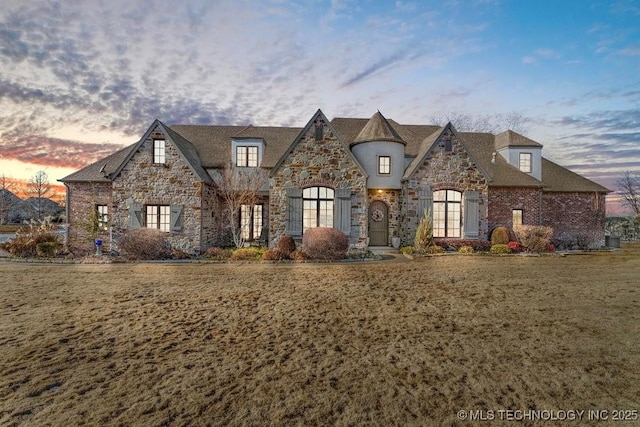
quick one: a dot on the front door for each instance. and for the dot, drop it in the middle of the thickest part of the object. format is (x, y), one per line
(378, 224)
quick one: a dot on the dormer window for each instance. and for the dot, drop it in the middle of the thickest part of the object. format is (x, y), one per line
(524, 162)
(247, 156)
(159, 151)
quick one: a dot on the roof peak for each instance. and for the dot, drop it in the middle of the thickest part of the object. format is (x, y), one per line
(378, 128)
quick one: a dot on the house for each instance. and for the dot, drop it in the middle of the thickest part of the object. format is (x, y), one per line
(372, 179)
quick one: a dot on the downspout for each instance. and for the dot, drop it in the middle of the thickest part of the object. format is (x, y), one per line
(540, 207)
(67, 198)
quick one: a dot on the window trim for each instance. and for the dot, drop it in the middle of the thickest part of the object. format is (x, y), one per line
(515, 212)
(329, 203)
(248, 158)
(159, 151)
(164, 226)
(103, 217)
(525, 162)
(388, 165)
(453, 233)
(252, 233)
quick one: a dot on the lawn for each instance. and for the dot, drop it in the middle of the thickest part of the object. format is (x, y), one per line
(372, 343)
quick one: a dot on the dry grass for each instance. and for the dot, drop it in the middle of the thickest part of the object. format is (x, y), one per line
(318, 344)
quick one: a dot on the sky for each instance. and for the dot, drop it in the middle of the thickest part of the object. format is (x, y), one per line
(79, 79)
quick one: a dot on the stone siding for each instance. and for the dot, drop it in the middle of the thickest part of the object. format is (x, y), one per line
(171, 183)
(325, 163)
(443, 170)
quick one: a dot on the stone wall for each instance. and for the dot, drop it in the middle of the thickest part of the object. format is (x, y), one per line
(172, 183)
(443, 170)
(82, 199)
(326, 162)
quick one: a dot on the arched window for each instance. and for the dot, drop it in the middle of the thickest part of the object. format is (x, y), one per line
(317, 210)
(447, 213)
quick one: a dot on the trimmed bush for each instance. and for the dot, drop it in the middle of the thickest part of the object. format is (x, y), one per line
(456, 244)
(286, 245)
(515, 246)
(248, 254)
(500, 249)
(406, 250)
(144, 243)
(298, 255)
(218, 254)
(465, 250)
(534, 238)
(274, 255)
(325, 243)
(500, 236)
(48, 249)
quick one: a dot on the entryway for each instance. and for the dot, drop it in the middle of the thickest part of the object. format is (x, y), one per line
(378, 224)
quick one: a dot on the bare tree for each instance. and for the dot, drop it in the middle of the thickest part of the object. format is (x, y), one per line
(629, 189)
(237, 187)
(495, 123)
(39, 187)
(6, 201)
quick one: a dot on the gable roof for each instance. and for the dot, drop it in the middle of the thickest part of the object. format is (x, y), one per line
(377, 129)
(510, 138)
(318, 115)
(103, 169)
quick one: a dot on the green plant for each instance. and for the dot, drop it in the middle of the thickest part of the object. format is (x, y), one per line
(406, 250)
(325, 243)
(48, 249)
(465, 250)
(286, 245)
(424, 233)
(248, 254)
(500, 236)
(500, 249)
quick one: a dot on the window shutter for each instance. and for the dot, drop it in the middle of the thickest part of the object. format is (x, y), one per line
(425, 201)
(176, 217)
(471, 219)
(293, 226)
(342, 210)
(135, 215)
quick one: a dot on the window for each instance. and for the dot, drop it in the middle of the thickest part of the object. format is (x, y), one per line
(159, 151)
(103, 216)
(317, 207)
(250, 222)
(384, 165)
(447, 213)
(525, 162)
(247, 156)
(158, 217)
(517, 217)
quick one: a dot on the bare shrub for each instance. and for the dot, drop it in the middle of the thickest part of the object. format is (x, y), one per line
(27, 239)
(325, 243)
(299, 255)
(274, 255)
(500, 236)
(218, 254)
(286, 244)
(424, 233)
(144, 243)
(534, 238)
(48, 249)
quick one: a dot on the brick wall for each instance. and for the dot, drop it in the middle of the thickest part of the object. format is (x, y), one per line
(82, 199)
(575, 215)
(503, 200)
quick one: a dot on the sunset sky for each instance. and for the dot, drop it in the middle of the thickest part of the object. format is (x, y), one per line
(81, 78)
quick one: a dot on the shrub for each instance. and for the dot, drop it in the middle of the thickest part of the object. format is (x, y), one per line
(298, 255)
(465, 250)
(406, 250)
(177, 253)
(144, 243)
(515, 246)
(500, 236)
(274, 255)
(534, 238)
(48, 249)
(218, 254)
(500, 249)
(27, 239)
(325, 243)
(248, 254)
(456, 244)
(551, 248)
(424, 233)
(286, 245)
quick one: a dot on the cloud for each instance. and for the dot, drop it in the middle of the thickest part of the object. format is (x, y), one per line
(529, 60)
(630, 51)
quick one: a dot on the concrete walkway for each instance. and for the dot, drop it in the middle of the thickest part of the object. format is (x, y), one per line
(388, 254)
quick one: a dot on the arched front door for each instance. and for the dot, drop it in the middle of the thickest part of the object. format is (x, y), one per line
(378, 224)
